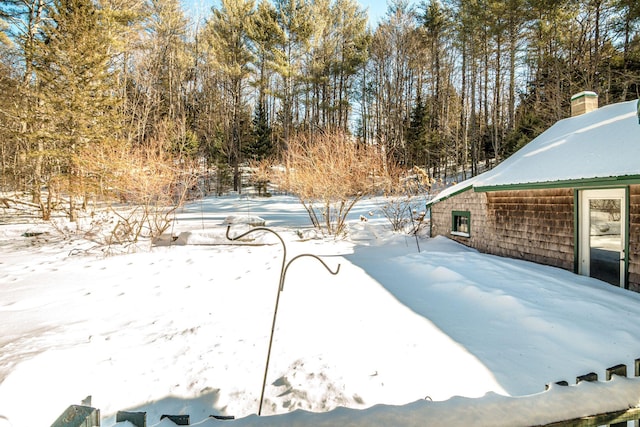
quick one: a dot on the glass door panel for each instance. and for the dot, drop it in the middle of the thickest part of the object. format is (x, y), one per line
(605, 239)
(602, 235)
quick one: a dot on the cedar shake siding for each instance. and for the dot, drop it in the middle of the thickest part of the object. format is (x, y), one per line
(532, 225)
(469, 201)
(634, 238)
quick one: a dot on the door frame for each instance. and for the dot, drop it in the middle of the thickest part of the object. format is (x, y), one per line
(583, 220)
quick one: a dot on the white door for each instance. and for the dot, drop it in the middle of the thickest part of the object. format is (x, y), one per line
(602, 235)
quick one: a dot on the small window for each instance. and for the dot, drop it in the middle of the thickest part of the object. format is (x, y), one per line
(461, 223)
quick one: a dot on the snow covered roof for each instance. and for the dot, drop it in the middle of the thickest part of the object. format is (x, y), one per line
(601, 145)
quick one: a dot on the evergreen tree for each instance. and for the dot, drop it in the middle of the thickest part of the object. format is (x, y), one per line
(260, 146)
(24, 19)
(230, 39)
(78, 109)
(296, 22)
(417, 135)
(435, 24)
(352, 42)
(8, 151)
(265, 35)
(163, 76)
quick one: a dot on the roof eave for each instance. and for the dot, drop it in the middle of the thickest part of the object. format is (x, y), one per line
(573, 183)
(448, 196)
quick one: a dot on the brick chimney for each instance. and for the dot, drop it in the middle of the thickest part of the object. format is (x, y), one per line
(583, 102)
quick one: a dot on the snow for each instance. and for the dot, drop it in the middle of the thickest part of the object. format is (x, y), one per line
(444, 336)
(602, 144)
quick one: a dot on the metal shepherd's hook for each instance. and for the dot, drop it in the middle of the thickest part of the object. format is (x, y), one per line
(283, 272)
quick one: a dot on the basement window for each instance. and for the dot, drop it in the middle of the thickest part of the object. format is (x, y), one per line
(461, 223)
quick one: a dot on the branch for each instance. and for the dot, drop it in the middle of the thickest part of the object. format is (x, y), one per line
(6, 201)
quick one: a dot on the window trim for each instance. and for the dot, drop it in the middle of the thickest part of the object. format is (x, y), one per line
(454, 231)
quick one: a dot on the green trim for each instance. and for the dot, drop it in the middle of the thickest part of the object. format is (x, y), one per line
(575, 183)
(627, 236)
(454, 227)
(437, 200)
(576, 231)
(579, 183)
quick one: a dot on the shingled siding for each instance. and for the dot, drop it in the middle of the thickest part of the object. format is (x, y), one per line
(634, 238)
(532, 225)
(469, 201)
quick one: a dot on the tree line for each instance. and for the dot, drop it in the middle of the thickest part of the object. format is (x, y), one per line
(450, 86)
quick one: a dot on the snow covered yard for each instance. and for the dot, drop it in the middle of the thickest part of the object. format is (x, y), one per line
(443, 336)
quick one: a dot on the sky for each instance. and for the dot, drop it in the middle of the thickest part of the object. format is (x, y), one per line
(376, 8)
(407, 333)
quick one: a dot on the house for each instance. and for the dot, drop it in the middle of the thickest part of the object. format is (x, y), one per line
(570, 198)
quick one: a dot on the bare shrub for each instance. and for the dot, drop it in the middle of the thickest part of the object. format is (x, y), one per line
(260, 176)
(397, 210)
(403, 205)
(330, 173)
(143, 186)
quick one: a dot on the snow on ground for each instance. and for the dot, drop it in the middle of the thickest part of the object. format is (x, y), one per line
(444, 336)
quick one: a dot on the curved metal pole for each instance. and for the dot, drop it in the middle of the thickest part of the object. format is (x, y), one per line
(283, 272)
(304, 255)
(284, 247)
(275, 310)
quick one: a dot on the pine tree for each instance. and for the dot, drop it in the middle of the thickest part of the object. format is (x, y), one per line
(353, 39)
(8, 150)
(229, 37)
(168, 63)
(75, 88)
(261, 146)
(417, 135)
(265, 35)
(296, 22)
(26, 17)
